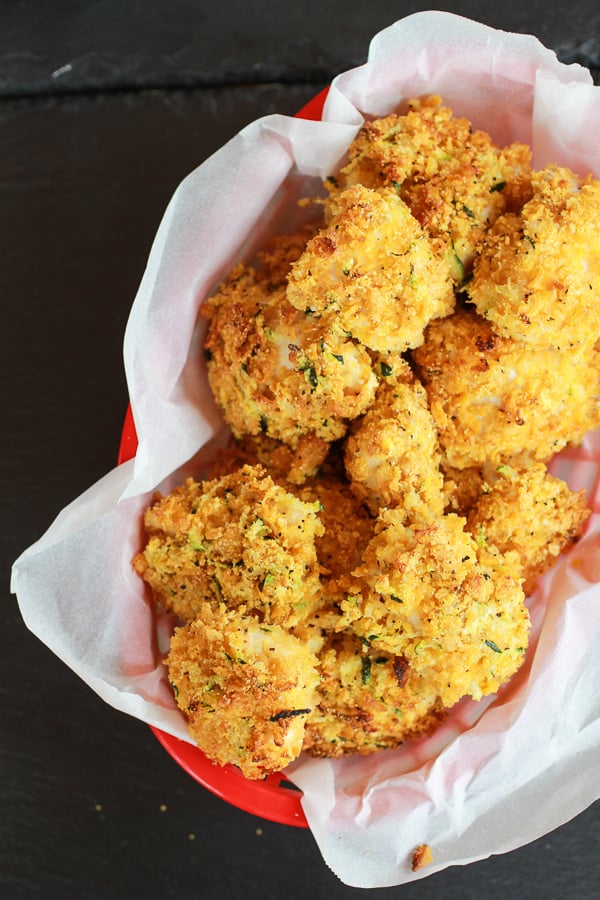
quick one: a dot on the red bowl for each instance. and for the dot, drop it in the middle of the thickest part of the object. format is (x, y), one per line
(274, 798)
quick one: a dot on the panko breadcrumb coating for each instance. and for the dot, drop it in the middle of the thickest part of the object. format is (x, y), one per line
(455, 612)
(245, 688)
(392, 452)
(355, 563)
(367, 700)
(496, 401)
(277, 371)
(285, 465)
(240, 539)
(532, 513)
(537, 276)
(454, 179)
(347, 529)
(374, 269)
(462, 488)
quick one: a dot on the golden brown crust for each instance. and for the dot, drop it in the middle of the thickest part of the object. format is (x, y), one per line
(455, 181)
(240, 539)
(367, 700)
(355, 563)
(537, 276)
(245, 688)
(495, 401)
(532, 513)
(276, 371)
(374, 269)
(430, 594)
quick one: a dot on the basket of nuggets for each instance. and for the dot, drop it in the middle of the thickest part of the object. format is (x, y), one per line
(392, 338)
(396, 377)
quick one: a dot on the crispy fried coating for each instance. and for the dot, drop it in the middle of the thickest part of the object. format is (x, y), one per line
(537, 275)
(455, 181)
(462, 488)
(366, 700)
(374, 269)
(240, 539)
(277, 371)
(495, 401)
(285, 465)
(347, 529)
(532, 513)
(392, 452)
(452, 609)
(245, 688)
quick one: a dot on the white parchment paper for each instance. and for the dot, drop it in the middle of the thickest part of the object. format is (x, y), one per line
(501, 772)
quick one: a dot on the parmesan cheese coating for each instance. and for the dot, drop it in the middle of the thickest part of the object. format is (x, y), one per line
(280, 372)
(392, 453)
(245, 688)
(454, 179)
(453, 610)
(374, 269)
(367, 700)
(537, 276)
(495, 401)
(531, 513)
(240, 539)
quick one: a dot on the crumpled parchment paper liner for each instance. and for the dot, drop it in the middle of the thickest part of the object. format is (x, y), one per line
(500, 772)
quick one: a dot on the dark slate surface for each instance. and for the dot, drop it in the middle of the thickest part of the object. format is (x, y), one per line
(48, 46)
(92, 807)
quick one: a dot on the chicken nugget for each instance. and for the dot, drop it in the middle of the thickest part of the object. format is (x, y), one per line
(240, 539)
(454, 611)
(285, 465)
(374, 269)
(245, 688)
(537, 275)
(274, 370)
(366, 701)
(495, 401)
(454, 179)
(392, 452)
(532, 513)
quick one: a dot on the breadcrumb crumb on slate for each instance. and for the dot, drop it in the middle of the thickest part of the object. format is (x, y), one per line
(245, 689)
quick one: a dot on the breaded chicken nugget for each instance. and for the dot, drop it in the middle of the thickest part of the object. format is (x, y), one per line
(366, 701)
(347, 529)
(285, 465)
(494, 401)
(374, 269)
(277, 371)
(455, 181)
(537, 275)
(392, 452)
(454, 611)
(240, 539)
(245, 688)
(532, 513)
